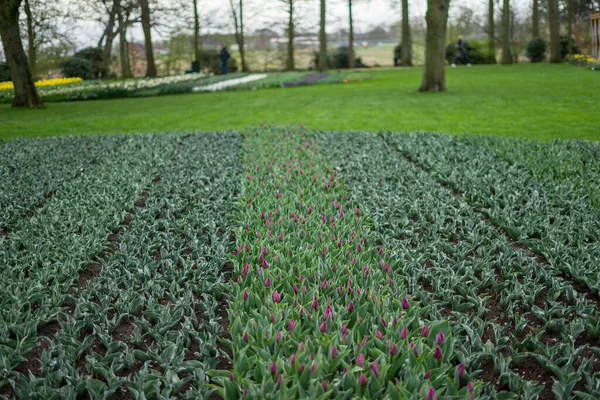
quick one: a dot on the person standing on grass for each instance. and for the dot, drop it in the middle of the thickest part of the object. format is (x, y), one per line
(225, 56)
(462, 54)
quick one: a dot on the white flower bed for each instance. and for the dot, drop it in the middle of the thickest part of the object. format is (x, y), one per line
(228, 83)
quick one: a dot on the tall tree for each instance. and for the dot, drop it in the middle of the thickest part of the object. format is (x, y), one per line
(41, 27)
(197, 44)
(435, 40)
(123, 45)
(351, 57)
(406, 44)
(553, 20)
(108, 37)
(570, 25)
(323, 39)
(239, 30)
(25, 92)
(491, 29)
(506, 51)
(289, 63)
(147, 28)
(535, 19)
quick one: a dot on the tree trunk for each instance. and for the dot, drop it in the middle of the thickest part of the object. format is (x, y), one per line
(435, 40)
(242, 40)
(406, 37)
(535, 19)
(570, 25)
(31, 51)
(350, 36)
(323, 39)
(196, 32)
(123, 48)
(150, 64)
(506, 51)
(491, 29)
(110, 34)
(290, 65)
(239, 32)
(25, 92)
(553, 20)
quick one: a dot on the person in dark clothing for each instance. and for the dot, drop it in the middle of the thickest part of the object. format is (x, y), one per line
(462, 54)
(225, 56)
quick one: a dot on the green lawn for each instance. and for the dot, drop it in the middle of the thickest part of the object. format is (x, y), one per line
(536, 101)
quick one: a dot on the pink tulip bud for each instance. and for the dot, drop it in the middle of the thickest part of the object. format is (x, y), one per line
(272, 318)
(293, 359)
(273, 368)
(393, 349)
(461, 370)
(405, 303)
(324, 385)
(437, 353)
(295, 287)
(245, 295)
(357, 212)
(360, 360)
(280, 237)
(279, 379)
(278, 337)
(268, 282)
(276, 297)
(427, 374)
(375, 369)
(440, 338)
(302, 346)
(245, 270)
(378, 334)
(431, 394)
(291, 325)
(403, 333)
(323, 327)
(351, 307)
(301, 368)
(425, 331)
(333, 352)
(358, 248)
(362, 381)
(310, 209)
(245, 337)
(383, 322)
(313, 368)
(339, 243)
(265, 264)
(315, 303)
(353, 260)
(344, 329)
(470, 387)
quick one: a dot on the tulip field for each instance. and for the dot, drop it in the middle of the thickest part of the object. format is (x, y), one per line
(287, 263)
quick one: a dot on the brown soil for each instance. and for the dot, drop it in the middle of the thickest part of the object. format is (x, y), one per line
(88, 273)
(531, 370)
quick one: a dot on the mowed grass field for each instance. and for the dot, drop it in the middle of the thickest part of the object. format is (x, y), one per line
(533, 101)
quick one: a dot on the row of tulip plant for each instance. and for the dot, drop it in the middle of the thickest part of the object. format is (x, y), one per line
(315, 307)
(42, 256)
(550, 218)
(519, 324)
(147, 325)
(32, 169)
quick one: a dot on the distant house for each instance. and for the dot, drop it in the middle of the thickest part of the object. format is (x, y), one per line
(261, 39)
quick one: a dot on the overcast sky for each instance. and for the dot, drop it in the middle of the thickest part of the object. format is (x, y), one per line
(264, 13)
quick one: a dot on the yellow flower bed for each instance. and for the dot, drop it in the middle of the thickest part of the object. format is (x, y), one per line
(44, 82)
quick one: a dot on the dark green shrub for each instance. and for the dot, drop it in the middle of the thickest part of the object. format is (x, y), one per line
(478, 50)
(211, 62)
(95, 57)
(4, 72)
(536, 50)
(86, 64)
(77, 67)
(564, 47)
(338, 59)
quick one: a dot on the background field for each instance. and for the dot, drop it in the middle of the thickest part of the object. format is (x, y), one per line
(516, 101)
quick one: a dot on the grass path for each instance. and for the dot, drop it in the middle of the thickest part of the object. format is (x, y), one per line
(535, 101)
